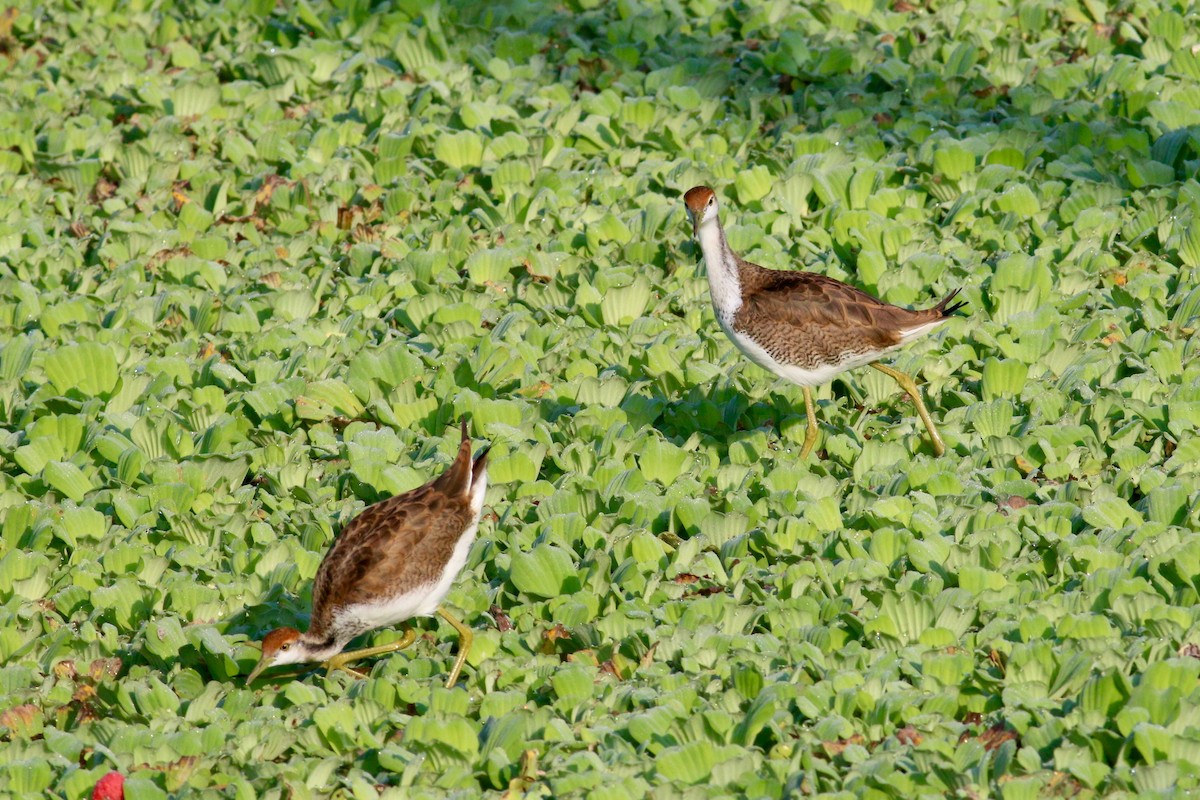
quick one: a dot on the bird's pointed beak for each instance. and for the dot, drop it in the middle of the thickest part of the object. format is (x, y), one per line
(258, 668)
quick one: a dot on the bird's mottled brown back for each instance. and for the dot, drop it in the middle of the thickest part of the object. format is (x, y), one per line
(394, 545)
(807, 319)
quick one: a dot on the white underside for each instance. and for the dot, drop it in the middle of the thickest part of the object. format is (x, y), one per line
(913, 333)
(797, 375)
(424, 600)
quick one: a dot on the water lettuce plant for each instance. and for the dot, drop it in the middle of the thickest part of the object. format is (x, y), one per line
(256, 259)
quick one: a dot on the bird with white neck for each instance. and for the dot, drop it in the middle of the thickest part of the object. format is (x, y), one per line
(805, 327)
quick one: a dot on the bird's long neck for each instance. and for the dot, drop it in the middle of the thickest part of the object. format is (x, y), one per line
(321, 646)
(724, 280)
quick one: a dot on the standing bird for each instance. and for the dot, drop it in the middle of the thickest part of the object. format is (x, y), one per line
(805, 327)
(394, 561)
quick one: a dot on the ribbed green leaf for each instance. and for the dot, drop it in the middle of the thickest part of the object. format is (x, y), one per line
(89, 368)
(67, 479)
(461, 150)
(545, 571)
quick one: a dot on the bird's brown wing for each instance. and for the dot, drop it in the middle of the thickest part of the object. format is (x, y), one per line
(394, 545)
(811, 318)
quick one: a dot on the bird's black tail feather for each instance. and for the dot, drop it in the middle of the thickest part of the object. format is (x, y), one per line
(946, 308)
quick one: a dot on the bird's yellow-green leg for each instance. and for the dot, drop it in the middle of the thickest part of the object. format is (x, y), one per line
(342, 659)
(910, 386)
(465, 637)
(810, 435)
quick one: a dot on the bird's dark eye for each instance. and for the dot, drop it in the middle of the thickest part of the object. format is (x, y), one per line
(712, 200)
(284, 646)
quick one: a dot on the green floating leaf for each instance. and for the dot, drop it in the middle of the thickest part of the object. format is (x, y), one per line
(689, 763)
(1168, 504)
(80, 176)
(573, 684)
(165, 638)
(747, 680)
(16, 356)
(461, 150)
(193, 99)
(546, 571)
(1144, 172)
(953, 161)
(454, 732)
(88, 368)
(1189, 254)
(328, 398)
(337, 726)
(1168, 26)
(490, 266)
(1112, 512)
(388, 170)
(34, 456)
(903, 617)
(84, 523)
(1003, 378)
(825, 514)
(835, 60)
(521, 465)
(1103, 695)
(293, 305)
(30, 777)
(794, 193)
(67, 479)
(1019, 200)
(622, 306)
(753, 184)
(608, 228)
(662, 461)
(993, 418)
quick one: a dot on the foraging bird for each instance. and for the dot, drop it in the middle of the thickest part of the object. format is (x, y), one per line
(806, 327)
(394, 561)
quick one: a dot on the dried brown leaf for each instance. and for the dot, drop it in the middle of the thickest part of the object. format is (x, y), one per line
(1011, 503)
(178, 198)
(558, 631)
(503, 621)
(997, 735)
(103, 668)
(836, 748)
(20, 717)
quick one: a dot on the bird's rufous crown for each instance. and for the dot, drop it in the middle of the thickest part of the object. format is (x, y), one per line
(697, 198)
(277, 638)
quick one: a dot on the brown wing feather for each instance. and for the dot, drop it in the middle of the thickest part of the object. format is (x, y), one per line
(456, 481)
(398, 543)
(823, 318)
